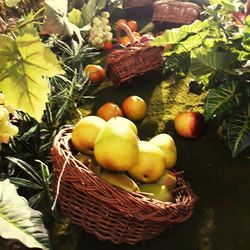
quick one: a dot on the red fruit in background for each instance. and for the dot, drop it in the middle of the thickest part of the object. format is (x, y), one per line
(189, 124)
(146, 38)
(109, 110)
(108, 45)
(132, 24)
(95, 73)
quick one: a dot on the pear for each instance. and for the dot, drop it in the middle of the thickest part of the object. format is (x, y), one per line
(124, 120)
(166, 143)
(157, 191)
(150, 164)
(116, 146)
(85, 132)
(168, 179)
(120, 180)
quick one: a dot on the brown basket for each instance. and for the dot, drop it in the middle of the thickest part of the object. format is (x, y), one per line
(111, 213)
(135, 63)
(174, 13)
(129, 4)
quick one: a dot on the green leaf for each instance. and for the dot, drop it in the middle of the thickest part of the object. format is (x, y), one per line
(176, 35)
(238, 131)
(101, 4)
(206, 62)
(221, 100)
(75, 17)
(25, 62)
(24, 183)
(11, 3)
(89, 11)
(19, 221)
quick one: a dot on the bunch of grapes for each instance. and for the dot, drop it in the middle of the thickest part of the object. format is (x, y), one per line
(7, 130)
(100, 31)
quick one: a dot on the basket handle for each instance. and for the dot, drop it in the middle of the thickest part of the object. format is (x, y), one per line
(124, 27)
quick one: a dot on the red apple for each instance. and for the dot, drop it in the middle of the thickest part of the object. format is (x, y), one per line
(189, 124)
(146, 38)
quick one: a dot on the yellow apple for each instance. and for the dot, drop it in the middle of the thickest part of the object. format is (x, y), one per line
(116, 146)
(126, 121)
(85, 132)
(120, 180)
(166, 143)
(150, 164)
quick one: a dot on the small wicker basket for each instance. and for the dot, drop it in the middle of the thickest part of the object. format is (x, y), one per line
(170, 14)
(111, 213)
(133, 64)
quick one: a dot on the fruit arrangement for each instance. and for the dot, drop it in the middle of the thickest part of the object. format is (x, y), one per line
(114, 152)
(100, 32)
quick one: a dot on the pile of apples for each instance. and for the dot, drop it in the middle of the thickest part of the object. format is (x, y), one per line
(115, 153)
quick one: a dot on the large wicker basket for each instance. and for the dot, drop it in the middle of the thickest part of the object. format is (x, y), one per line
(133, 64)
(111, 213)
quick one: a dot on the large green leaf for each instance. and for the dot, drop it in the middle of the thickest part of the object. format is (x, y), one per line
(19, 221)
(206, 62)
(239, 131)
(25, 62)
(221, 100)
(176, 35)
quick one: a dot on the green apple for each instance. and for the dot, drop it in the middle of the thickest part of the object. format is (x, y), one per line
(166, 143)
(120, 180)
(85, 132)
(116, 146)
(157, 191)
(168, 179)
(150, 164)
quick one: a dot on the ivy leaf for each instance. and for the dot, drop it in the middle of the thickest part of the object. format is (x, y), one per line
(89, 11)
(238, 131)
(57, 22)
(25, 62)
(19, 221)
(221, 100)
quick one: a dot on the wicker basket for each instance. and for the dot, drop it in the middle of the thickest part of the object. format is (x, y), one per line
(129, 4)
(111, 213)
(169, 14)
(133, 64)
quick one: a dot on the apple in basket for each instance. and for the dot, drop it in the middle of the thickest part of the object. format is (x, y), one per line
(150, 163)
(85, 132)
(166, 143)
(116, 146)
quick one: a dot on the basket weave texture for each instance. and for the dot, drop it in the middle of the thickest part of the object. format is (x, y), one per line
(135, 63)
(108, 212)
(128, 4)
(175, 13)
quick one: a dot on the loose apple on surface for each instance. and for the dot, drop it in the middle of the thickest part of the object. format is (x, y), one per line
(189, 124)
(157, 191)
(166, 143)
(116, 146)
(134, 108)
(109, 110)
(150, 163)
(120, 180)
(85, 133)
(95, 73)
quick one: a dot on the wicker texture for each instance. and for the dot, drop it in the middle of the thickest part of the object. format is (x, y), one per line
(128, 4)
(111, 213)
(174, 13)
(135, 63)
